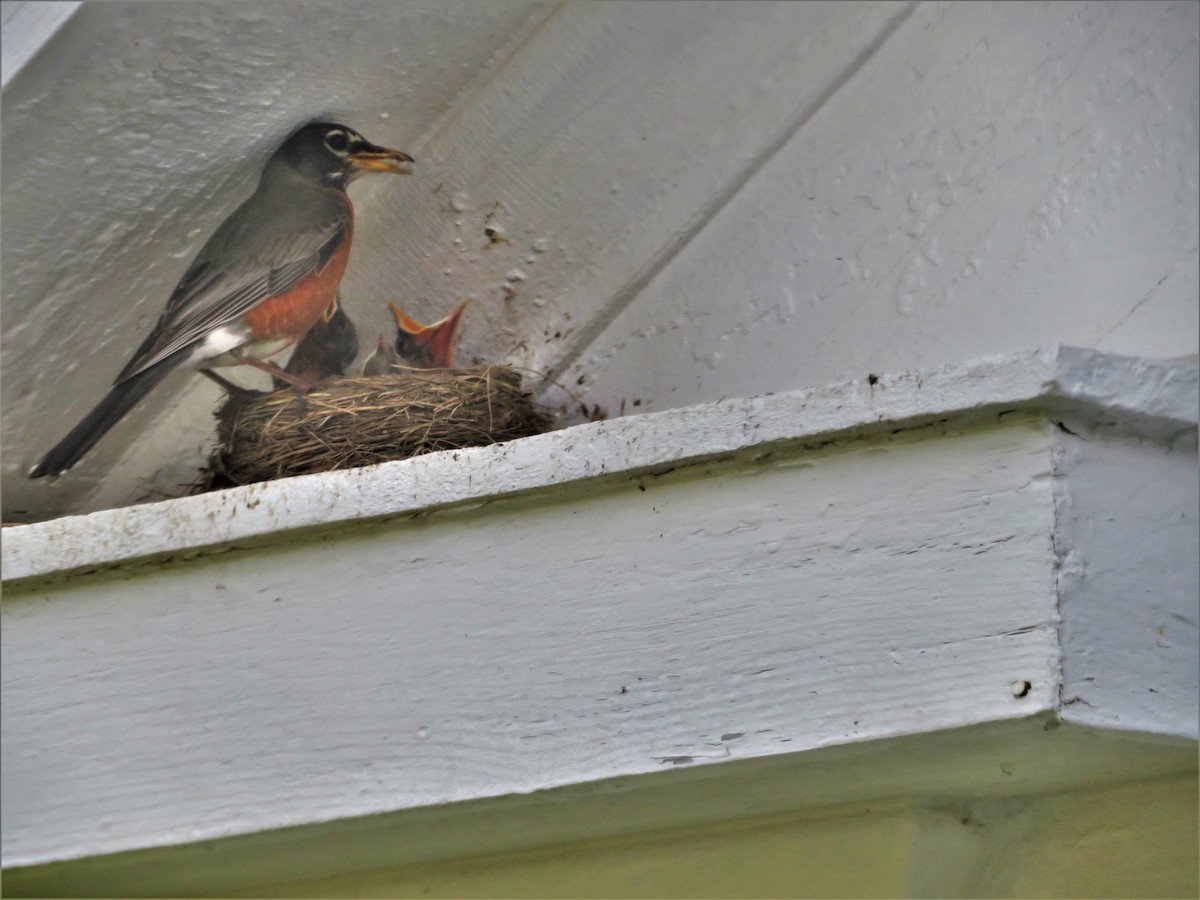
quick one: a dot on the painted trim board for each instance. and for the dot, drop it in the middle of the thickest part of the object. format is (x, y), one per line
(967, 771)
(723, 588)
(1143, 396)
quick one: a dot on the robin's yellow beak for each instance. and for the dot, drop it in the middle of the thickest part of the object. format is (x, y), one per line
(369, 158)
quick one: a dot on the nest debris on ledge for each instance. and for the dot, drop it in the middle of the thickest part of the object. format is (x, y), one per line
(347, 422)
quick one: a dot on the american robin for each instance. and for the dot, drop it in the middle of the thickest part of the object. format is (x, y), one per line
(325, 351)
(264, 277)
(426, 346)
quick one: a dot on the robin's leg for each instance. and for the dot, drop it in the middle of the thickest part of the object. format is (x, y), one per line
(302, 385)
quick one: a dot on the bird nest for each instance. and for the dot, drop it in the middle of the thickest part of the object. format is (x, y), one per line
(348, 422)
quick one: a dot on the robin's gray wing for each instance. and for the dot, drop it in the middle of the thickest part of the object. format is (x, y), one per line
(268, 246)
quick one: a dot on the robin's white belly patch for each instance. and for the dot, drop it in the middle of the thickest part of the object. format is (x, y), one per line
(217, 348)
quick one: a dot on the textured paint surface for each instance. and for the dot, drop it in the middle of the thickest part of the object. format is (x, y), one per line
(973, 780)
(1130, 541)
(662, 205)
(657, 204)
(25, 28)
(529, 646)
(596, 153)
(1142, 397)
(127, 140)
(1042, 847)
(767, 598)
(995, 177)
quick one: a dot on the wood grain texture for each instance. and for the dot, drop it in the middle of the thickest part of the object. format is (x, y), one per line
(985, 775)
(597, 151)
(892, 587)
(1140, 397)
(744, 580)
(1129, 540)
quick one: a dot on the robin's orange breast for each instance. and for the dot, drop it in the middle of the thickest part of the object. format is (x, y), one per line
(292, 313)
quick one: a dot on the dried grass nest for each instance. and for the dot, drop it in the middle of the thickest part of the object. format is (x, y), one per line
(346, 422)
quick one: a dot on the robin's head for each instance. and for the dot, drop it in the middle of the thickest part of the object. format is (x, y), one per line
(334, 154)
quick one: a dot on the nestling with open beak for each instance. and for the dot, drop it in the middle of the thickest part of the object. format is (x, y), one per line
(416, 346)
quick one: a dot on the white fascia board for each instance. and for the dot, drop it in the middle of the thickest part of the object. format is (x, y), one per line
(1140, 396)
(825, 568)
(1129, 584)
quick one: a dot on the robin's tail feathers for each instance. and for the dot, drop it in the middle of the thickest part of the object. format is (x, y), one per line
(120, 400)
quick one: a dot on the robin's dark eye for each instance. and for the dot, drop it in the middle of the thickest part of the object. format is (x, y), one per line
(337, 141)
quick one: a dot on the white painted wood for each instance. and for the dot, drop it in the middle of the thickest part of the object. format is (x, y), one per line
(134, 131)
(875, 590)
(600, 150)
(694, 200)
(775, 589)
(1130, 586)
(996, 176)
(1157, 399)
(25, 28)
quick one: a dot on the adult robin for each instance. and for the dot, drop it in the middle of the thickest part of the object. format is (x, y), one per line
(266, 275)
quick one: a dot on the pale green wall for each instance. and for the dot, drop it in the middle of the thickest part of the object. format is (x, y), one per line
(1130, 840)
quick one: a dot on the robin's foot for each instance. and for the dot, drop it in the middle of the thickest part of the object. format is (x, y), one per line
(282, 380)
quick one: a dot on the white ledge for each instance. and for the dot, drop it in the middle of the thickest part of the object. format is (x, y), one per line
(1007, 541)
(1156, 398)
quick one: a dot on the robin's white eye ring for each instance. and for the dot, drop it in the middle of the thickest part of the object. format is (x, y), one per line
(337, 141)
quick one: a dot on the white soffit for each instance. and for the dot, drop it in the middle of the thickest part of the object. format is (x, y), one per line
(24, 30)
(592, 139)
(689, 200)
(970, 773)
